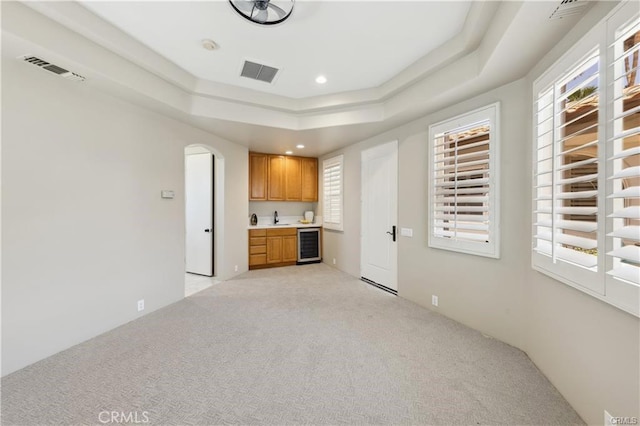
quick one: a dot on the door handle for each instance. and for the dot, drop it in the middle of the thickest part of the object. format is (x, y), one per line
(393, 233)
(207, 230)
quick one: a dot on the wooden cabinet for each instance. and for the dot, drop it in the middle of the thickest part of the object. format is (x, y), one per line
(282, 178)
(293, 179)
(309, 179)
(257, 247)
(290, 248)
(274, 250)
(258, 167)
(273, 247)
(276, 180)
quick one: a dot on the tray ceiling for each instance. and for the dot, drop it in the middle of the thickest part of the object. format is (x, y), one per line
(356, 45)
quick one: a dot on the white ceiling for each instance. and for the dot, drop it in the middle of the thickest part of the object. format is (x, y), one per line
(356, 45)
(481, 48)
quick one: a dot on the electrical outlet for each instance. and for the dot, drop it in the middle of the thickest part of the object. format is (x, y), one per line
(141, 305)
(434, 300)
(334, 260)
(236, 268)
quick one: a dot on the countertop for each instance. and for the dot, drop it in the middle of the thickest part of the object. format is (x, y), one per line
(266, 222)
(287, 225)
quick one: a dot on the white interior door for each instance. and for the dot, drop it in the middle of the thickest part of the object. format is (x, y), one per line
(379, 261)
(199, 213)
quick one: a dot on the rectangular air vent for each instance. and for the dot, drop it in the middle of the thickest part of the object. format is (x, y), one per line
(52, 68)
(569, 8)
(257, 71)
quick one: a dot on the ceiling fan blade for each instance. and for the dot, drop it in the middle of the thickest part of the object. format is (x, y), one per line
(261, 16)
(278, 10)
(244, 5)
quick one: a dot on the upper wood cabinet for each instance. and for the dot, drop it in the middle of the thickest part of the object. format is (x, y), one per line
(293, 179)
(258, 176)
(276, 179)
(282, 178)
(309, 187)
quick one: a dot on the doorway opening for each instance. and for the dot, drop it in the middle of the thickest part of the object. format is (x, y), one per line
(203, 200)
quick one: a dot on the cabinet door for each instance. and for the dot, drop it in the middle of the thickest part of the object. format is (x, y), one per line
(257, 176)
(309, 188)
(293, 180)
(290, 249)
(274, 249)
(257, 259)
(276, 189)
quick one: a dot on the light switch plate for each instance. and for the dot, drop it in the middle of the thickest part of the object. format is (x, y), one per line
(167, 194)
(406, 232)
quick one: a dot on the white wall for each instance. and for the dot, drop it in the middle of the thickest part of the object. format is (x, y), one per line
(284, 208)
(588, 349)
(476, 294)
(85, 232)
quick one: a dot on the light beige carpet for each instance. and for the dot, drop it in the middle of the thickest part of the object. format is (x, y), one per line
(296, 345)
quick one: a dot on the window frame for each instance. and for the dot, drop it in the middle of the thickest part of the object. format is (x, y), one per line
(575, 276)
(491, 248)
(598, 284)
(326, 221)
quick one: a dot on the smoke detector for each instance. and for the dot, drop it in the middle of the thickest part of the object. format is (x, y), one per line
(209, 44)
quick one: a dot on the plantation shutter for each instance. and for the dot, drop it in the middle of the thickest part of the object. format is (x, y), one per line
(332, 184)
(624, 165)
(463, 152)
(566, 168)
(462, 183)
(586, 199)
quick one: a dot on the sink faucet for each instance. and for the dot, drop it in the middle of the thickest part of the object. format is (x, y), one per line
(275, 218)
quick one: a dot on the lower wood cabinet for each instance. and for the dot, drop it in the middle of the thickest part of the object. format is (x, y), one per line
(257, 247)
(272, 247)
(274, 250)
(290, 248)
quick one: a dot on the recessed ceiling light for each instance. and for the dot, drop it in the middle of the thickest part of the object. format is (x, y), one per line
(289, 152)
(209, 44)
(300, 146)
(321, 79)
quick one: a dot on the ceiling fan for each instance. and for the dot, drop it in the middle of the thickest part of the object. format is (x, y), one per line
(263, 12)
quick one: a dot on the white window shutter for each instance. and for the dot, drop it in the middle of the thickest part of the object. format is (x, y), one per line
(566, 173)
(333, 192)
(623, 240)
(586, 195)
(464, 186)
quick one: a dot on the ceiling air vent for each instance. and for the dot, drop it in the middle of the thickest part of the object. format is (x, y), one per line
(258, 71)
(569, 8)
(52, 68)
